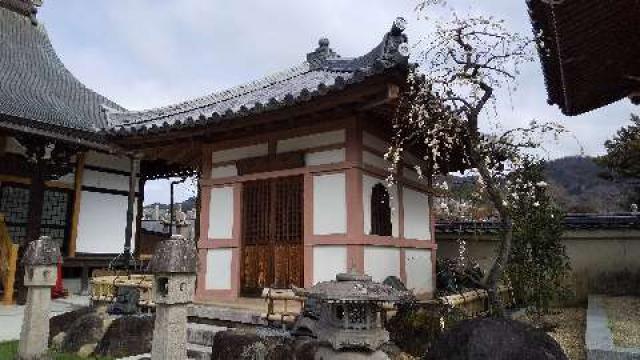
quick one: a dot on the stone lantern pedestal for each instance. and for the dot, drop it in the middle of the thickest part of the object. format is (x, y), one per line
(174, 268)
(40, 262)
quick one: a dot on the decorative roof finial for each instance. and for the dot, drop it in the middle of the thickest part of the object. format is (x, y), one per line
(323, 52)
(399, 25)
(395, 48)
(323, 42)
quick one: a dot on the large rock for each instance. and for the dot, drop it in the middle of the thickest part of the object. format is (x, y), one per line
(495, 339)
(249, 344)
(86, 330)
(127, 336)
(62, 323)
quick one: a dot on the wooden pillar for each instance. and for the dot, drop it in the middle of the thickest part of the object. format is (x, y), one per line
(139, 215)
(77, 195)
(128, 233)
(84, 281)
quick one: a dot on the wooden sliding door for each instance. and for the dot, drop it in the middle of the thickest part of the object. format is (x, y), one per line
(272, 234)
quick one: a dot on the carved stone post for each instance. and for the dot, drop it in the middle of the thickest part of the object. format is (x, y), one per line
(174, 268)
(40, 262)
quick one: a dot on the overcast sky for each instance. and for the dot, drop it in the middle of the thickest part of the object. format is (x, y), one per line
(149, 53)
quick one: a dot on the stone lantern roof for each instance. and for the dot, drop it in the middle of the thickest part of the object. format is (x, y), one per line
(175, 255)
(354, 287)
(42, 251)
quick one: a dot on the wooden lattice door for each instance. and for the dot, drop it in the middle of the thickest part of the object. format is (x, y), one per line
(272, 250)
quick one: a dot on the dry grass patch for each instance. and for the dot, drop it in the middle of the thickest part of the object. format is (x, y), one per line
(623, 313)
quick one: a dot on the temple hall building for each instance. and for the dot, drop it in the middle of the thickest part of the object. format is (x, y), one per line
(291, 168)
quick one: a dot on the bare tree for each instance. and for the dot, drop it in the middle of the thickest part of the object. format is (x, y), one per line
(461, 68)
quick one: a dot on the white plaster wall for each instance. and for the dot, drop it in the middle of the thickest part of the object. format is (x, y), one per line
(221, 213)
(374, 160)
(325, 157)
(419, 269)
(314, 140)
(224, 171)
(218, 275)
(102, 223)
(380, 262)
(240, 153)
(107, 161)
(105, 180)
(416, 214)
(412, 174)
(328, 261)
(374, 142)
(329, 204)
(368, 182)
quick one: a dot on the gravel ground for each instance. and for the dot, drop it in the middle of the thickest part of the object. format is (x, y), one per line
(624, 320)
(569, 325)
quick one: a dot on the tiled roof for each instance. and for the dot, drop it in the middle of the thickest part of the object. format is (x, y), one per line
(323, 71)
(36, 89)
(588, 49)
(615, 221)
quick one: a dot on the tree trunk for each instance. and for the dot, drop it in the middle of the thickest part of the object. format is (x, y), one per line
(497, 269)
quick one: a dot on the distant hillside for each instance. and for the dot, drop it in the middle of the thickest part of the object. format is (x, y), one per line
(580, 185)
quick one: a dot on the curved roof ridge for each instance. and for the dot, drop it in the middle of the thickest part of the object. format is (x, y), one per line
(142, 116)
(322, 72)
(37, 86)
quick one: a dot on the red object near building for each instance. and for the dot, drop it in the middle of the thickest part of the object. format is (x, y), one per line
(58, 290)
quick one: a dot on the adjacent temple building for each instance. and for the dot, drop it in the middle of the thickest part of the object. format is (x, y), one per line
(291, 167)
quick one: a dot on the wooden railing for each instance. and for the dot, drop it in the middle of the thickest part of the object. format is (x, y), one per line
(8, 262)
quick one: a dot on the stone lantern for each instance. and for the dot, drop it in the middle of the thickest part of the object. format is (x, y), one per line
(40, 261)
(349, 315)
(174, 268)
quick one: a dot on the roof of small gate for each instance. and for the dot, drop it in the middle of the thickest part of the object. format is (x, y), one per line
(323, 71)
(36, 88)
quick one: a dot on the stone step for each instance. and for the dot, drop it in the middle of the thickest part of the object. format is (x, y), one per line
(228, 314)
(198, 352)
(202, 334)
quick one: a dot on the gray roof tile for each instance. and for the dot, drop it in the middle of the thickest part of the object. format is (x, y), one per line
(323, 72)
(35, 86)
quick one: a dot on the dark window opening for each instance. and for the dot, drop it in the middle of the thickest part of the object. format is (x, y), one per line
(380, 211)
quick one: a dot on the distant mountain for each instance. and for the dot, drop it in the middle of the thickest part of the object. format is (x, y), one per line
(581, 185)
(577, 183)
